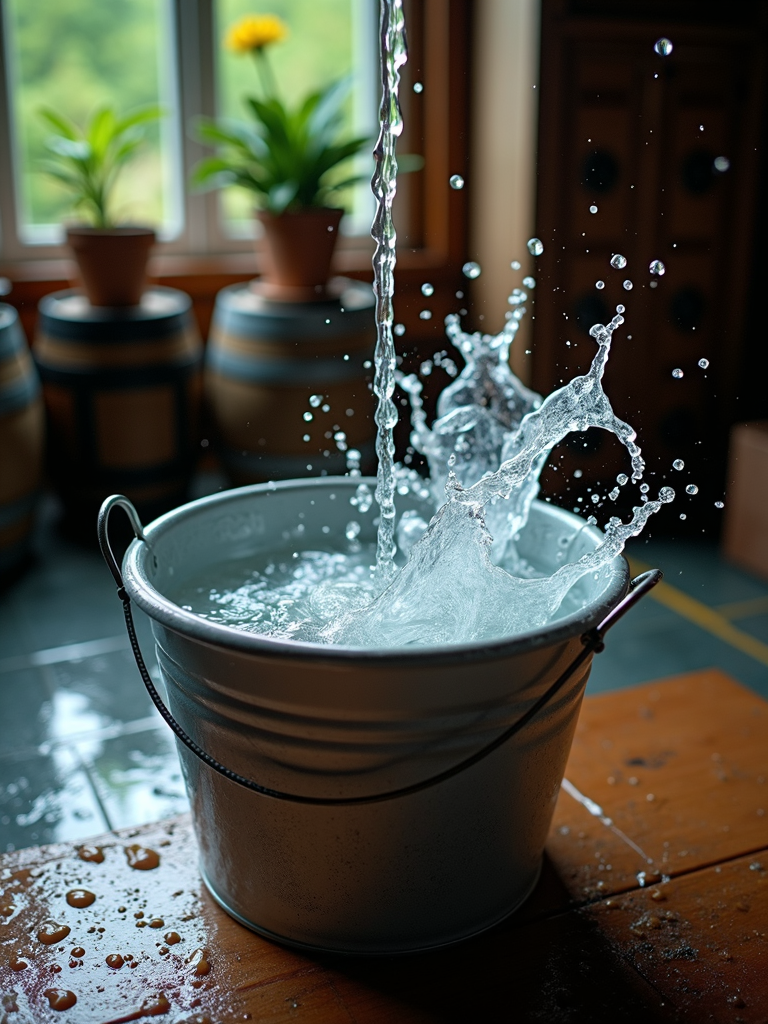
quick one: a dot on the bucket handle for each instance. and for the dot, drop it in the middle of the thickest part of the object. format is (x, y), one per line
(593, 642)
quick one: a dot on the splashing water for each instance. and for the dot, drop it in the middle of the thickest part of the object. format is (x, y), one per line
(464, 579)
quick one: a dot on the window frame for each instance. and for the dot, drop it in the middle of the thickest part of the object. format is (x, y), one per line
(432, 217)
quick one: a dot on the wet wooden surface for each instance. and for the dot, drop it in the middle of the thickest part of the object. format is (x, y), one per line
(666, 786)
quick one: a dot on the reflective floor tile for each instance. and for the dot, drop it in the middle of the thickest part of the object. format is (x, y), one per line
(47, 799)
(25, 711)
(137, 776)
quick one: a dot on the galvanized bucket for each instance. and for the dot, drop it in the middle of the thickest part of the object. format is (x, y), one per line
(361, 800)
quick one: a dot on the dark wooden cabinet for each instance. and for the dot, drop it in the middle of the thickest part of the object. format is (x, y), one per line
(667, 149)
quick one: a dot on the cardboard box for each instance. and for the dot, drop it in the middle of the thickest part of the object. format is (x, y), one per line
(745, 539)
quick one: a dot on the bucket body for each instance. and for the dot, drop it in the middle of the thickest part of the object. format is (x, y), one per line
(122, 392)
(22, 431)
(408, 873)
(264, 361)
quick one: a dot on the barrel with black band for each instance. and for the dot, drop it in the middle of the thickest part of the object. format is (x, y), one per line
(122, 392)
(22, 425)
(264, 362)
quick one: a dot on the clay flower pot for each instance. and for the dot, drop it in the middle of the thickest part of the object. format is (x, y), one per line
(112, 262)
(297, 252)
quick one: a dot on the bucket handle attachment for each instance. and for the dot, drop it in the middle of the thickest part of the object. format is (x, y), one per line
(593, 643)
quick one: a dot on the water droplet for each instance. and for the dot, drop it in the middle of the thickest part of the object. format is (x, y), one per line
(657, 267)
(141, 858)
(613, 495)
(578, 473)
(618, 262)
(80, 898)
(308, 417)
(326, 408)
(599, 285)
(627, 286)
(425, 314)
(115, 961)
(677, 373)
(663, 46)
(517, 297)
(456, 181)
(60, 998)
(678, 464)
(315, 400)
(719, 504)
(529, 282)
(427, 289)
(352, 530)
(94, 854)
(418, 87)
(620, 308)
(306, 437)
(622, 479)
(471, 270)
(535, 246)
(683, 515)
(515, 264)
(399, 330)
(704, 363)
(51, 932)
(691, 489)
(644, 488)
(722, 163)
(593, 208)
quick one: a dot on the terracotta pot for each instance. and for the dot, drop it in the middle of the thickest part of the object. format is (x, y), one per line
(112, 262)
(297, 251)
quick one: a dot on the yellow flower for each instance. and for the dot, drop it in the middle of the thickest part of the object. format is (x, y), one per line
(255, 31)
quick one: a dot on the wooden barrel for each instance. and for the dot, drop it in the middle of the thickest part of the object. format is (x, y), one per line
(266, 359)
(22, 426)
(122, 393)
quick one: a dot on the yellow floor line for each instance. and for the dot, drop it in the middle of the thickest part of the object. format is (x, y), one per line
(744, 609)
(706, 618)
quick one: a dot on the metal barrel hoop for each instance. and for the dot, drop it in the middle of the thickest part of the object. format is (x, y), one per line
(593, 643)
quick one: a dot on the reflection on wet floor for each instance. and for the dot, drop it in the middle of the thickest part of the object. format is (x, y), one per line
(84, 750)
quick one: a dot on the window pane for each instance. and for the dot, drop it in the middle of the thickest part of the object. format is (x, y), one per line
(73, 56)
(327, 40)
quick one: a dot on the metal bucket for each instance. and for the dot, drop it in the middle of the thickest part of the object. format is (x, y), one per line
(361, 800)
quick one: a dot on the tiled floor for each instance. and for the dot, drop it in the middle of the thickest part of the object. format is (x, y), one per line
(83, 750)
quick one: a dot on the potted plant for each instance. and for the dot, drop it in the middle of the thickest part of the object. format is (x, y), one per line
(112, 258)
(290, 158)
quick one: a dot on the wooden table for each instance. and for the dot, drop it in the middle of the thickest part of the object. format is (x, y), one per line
(669, 779)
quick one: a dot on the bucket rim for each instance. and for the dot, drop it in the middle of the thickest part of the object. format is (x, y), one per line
(191, 626)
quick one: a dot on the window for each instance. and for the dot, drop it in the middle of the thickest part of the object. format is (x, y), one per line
(78, 55)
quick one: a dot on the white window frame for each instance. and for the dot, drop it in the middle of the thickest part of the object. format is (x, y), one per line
(190, 84)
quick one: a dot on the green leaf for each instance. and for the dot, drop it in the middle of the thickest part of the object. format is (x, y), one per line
(138, 117)
(101, 131)
(60, 124)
